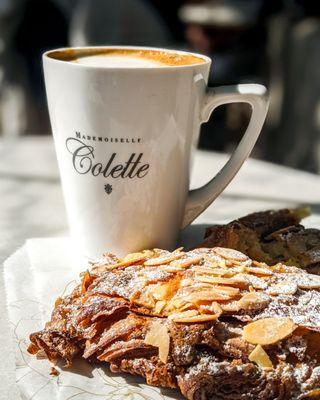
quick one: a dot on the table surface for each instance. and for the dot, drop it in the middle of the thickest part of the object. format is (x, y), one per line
(31, 205)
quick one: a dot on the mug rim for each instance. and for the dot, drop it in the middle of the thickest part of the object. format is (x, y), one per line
(46, 56)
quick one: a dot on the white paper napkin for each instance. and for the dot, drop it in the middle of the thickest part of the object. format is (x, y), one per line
(35, 276)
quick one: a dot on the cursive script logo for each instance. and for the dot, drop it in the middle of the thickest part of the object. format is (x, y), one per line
(83, 161)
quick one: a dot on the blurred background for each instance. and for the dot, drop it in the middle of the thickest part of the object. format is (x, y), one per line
(274, 42)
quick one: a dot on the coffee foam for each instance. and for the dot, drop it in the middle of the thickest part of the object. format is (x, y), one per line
(125, 58)
(117, 61)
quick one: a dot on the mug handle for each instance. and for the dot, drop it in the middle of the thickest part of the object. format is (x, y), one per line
(255, 95)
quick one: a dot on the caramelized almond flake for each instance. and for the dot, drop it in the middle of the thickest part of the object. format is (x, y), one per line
(170, 269)
(144, 299)
(255, 281)
(259, 264)
(281, 268)
(166, 259)
(134, 257)
(213, 308)
(224, 281)
(268, 330)
(158, 336)
(208, 295)
(196, 319)
(213, 271)
(259, 271)
(186, 282)
(253, 301)
(308, 281)
(166, 290)
(187, 306)
(284, 287)
(184, 314)
(230, 254)
(229, 290)
(260, 357)
(214, 261)
(131, 259)
(238, 264)
(186, 261)
(159, 306)
(177, 302)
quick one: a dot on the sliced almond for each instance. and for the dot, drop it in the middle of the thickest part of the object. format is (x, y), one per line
(178, 249)
(159, 306)
(144, 299)
(238, 264)
(186, 261)
(201, 250)
(230, 254)
(229, 290)
(165, 259)
(134, 257)
(170, 269)
(186, 282)
(208, 295)
(196, 319)
(260, 357)
(176, 303)
(281, 268)
(214, 271)
(213, 308)
(214, 264)
(158, 336)
(204, 284)
(184, 314)
(284, 287)
(222, 281)
(268, 330)
(259, 264)
(213, 257)
(254, 281)
(166, 290)
(186, 306)
(131, 258)
(253, 301)
(259, 271)
(308, 281)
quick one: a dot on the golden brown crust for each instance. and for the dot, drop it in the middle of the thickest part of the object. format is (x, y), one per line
(271, 237)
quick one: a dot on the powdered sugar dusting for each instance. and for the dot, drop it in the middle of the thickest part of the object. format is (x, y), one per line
(303, 308)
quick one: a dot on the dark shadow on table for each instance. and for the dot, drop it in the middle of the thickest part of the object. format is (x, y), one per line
(315, 209)
(192, 236)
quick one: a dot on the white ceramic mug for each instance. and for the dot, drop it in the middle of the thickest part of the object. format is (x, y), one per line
(124, 138)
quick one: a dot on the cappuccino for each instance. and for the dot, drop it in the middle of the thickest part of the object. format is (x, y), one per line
(126, 58)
